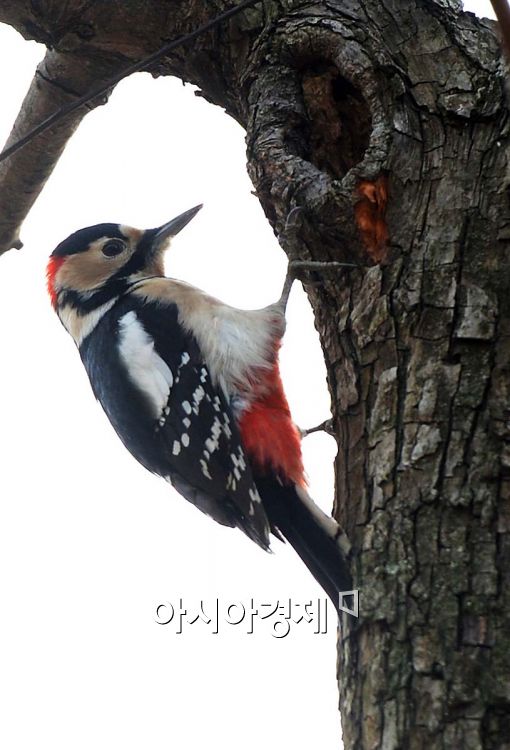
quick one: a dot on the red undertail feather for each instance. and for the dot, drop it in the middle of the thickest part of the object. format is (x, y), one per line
(54, 264)
(270, 437)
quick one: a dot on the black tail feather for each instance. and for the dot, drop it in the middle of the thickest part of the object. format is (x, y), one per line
(318, 541)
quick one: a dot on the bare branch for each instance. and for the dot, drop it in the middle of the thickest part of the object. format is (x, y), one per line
(147, 62)
(12, 11)
(64, 88)
(59, 79)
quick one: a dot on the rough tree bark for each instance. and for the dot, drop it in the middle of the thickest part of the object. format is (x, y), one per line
(386, 121)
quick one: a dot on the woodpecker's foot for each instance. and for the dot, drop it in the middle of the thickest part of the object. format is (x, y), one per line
(279, 307)
(296, 267)
(326, 426)
(287, 286)
(294, 218)
(291, 237)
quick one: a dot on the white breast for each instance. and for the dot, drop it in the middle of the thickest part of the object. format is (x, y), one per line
(235, 343)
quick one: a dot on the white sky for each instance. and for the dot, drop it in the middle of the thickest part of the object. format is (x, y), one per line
(90, 542)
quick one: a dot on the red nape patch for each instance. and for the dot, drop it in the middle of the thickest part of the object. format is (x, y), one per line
(270, 437)
(54, 263)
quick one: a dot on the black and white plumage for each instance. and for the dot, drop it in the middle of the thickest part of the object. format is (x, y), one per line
(157, 393)
(192, 388)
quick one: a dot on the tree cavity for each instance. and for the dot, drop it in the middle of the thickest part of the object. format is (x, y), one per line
(339, 120)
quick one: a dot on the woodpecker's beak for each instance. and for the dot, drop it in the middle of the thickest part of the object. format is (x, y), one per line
(171, 228)
(154, 241)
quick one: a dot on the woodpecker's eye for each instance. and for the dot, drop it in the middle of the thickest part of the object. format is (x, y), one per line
(113, 248)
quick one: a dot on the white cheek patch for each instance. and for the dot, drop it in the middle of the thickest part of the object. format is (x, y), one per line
(79, 326)
(146, 369)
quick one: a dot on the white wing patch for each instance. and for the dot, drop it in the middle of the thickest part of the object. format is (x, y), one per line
(147, 370)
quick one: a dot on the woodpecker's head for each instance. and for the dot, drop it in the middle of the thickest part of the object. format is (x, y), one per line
(96, 264)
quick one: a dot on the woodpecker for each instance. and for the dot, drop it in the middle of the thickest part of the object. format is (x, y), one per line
(192, 387)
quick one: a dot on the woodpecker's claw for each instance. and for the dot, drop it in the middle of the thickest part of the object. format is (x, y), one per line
(295, 266)
(289, 237)
(287, 286)
(298, 268)
(295, 269)
(326, 426)
(294, 217)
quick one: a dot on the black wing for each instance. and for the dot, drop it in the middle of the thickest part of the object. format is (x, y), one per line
(186, 434)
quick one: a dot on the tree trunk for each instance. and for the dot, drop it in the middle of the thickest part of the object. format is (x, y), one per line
(387, 124)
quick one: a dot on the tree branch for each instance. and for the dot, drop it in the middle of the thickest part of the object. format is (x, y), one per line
(58, 80)
(65, 84)
(146, 63)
